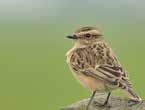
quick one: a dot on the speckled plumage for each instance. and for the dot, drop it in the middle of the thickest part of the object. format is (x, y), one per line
(95, 65)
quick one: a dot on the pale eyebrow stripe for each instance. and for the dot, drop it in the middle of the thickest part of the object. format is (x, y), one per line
(87, 32)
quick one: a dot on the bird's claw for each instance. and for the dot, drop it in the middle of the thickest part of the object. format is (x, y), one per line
(101, 105)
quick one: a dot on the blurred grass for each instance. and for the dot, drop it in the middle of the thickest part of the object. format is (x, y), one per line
(33, 71)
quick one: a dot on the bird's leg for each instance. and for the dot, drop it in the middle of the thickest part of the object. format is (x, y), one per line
(91, 98)
(107, 99)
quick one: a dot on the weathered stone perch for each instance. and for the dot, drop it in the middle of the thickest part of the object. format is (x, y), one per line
(115, 103)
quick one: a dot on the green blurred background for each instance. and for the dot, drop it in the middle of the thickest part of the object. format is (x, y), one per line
(33, 71)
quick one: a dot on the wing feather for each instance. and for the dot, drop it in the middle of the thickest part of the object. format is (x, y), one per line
(101, 76)
(115, 73)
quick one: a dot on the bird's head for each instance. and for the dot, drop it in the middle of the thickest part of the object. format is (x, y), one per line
(86, 35)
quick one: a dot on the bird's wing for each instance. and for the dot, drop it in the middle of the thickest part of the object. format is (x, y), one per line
(111, 67)
(115, 73)
(90, 72)
(112, 74)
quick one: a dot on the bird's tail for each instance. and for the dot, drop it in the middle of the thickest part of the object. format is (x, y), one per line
(133, 95)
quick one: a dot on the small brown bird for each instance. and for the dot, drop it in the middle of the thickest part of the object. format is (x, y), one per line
(95, 65)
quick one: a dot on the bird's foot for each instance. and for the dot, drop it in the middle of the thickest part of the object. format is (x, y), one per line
(101, 105)
(106, 104)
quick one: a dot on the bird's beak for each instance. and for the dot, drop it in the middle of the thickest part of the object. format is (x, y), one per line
(72, 37)
(100, 34)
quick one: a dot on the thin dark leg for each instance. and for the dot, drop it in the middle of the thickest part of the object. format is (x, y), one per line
(92, 96)
(107, 99)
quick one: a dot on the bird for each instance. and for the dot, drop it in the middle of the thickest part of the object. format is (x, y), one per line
(95, 65)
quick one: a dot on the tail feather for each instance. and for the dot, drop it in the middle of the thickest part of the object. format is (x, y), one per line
(127, 86)
(133, 95)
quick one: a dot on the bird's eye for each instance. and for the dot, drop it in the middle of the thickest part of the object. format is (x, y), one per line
(88, 35)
